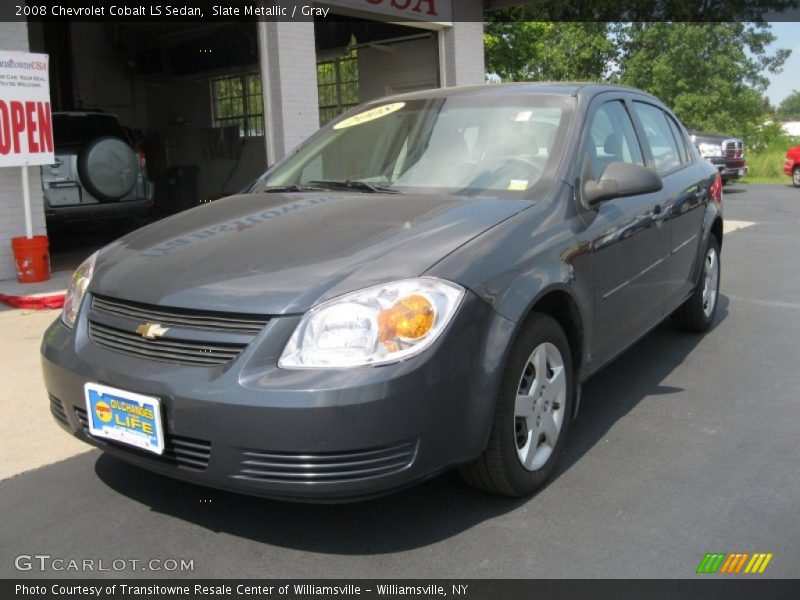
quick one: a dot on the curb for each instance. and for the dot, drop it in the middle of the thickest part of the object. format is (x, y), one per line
(36, 302)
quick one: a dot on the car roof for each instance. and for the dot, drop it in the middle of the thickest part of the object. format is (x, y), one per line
(563, 88)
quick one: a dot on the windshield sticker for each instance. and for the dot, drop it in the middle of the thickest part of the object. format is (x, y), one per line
(523, 116)
(518, 185)
(370, 115)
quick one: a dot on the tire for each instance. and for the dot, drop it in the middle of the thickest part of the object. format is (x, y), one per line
(697, 314)
(796, 176)
(500, 468)
(108, 168)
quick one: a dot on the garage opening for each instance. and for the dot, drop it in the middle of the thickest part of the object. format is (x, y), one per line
(187, 99)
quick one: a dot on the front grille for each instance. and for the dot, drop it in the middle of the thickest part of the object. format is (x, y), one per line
(179, 317)
(183, 352)
(57, 409)
(179, 451)
(734, 149)
(332, 467)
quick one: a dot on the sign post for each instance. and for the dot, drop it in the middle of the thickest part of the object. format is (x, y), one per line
(26, 199)
(26, 138)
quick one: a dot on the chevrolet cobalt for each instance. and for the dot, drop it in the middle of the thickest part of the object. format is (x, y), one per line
(424, 284)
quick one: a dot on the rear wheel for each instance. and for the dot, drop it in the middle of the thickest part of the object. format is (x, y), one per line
(697, 313)
(533, 413)
(796, 176)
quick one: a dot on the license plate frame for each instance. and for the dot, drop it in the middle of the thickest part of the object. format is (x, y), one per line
(136, 409)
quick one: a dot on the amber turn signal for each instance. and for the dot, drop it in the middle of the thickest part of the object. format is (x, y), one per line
(408, 319)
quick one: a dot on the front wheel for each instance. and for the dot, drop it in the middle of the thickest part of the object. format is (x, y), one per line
(697, 313)
(796, 176)
(533, 413)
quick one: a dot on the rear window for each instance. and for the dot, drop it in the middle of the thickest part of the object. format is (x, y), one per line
(83, 128)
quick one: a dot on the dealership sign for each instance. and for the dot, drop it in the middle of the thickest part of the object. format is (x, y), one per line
(26, 127)
(431, 11)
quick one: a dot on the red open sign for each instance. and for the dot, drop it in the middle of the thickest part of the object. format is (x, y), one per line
(25, 127)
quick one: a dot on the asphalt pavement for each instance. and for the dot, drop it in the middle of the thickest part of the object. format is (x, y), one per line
(684, 445)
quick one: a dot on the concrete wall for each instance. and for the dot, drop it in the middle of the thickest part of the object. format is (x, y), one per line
(397, 68)
(289, 84)
(14, 36)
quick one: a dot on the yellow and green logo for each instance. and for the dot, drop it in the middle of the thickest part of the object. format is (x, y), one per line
(736, 562)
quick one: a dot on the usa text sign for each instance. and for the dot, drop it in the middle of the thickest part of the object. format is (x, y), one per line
(26, 126)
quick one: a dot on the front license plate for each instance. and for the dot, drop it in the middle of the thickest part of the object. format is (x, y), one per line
(741, 172)
(125, 417)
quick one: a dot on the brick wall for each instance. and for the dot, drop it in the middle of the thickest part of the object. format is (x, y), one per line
(14, 36)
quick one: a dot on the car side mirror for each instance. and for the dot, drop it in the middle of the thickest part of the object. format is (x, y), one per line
(618, 180)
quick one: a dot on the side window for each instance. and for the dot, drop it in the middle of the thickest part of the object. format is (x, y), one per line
(611, 138)
(659, 136)
(680, 138)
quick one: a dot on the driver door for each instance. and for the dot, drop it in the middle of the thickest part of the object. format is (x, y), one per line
(629, 244)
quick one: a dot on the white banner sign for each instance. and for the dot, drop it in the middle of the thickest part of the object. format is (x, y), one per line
(26, 126)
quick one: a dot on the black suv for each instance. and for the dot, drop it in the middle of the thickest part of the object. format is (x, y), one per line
(97, 173)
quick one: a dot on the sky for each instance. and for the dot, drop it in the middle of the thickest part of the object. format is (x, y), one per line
(782, 85)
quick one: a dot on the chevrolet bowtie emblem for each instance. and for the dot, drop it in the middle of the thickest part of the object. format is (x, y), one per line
(151, 331)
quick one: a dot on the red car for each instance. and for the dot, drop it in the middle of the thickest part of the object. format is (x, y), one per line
(792, 165)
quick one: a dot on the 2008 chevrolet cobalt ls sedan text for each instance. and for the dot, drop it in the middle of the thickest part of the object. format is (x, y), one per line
(423, 284)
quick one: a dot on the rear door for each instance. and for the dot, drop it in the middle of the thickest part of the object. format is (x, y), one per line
(685, 194)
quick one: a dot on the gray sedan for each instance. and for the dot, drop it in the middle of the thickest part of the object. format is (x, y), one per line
(424, 284)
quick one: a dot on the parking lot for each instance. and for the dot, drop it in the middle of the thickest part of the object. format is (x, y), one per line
(684, 445)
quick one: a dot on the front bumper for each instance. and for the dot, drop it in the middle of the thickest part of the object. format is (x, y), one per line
(314, 435)
(734, 172)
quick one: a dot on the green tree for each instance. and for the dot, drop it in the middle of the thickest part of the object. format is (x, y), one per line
(712, 75)
(789, 108)
(520, 50)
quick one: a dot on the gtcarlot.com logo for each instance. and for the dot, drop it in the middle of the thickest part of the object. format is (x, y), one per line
(734, 563)
(46, 562)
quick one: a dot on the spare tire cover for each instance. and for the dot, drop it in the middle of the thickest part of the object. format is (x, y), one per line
(108, 168)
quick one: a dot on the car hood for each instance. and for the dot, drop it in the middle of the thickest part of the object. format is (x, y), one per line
(281, 254)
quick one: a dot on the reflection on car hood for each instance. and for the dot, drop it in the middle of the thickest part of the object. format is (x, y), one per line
(281, 254)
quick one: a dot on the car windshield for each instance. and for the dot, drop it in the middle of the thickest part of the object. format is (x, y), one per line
(81, 128)
(472, 145)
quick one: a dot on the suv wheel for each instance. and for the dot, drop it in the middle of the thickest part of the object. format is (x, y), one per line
(533, 413)
(796, 176)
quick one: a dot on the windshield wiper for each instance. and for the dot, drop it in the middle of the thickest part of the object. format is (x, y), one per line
(291, 188)
(361, 186)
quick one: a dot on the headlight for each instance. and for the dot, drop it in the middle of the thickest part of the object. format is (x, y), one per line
(709, 150)
(76, 290)
(376, 325)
